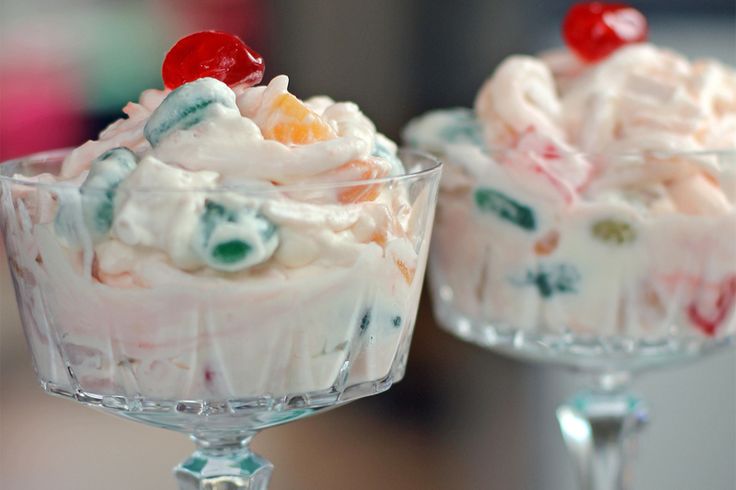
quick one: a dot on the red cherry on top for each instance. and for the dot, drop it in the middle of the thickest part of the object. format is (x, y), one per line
(593, 30)
(212, 54)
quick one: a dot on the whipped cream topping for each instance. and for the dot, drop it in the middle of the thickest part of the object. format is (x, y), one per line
(205, 136)
(606, 130)
(640, 98)
(236, 139)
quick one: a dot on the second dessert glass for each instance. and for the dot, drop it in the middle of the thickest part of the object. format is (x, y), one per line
(609, 288)
(207, 354)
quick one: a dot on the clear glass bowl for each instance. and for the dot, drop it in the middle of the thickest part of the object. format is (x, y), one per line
(218, 356)
(633, 269)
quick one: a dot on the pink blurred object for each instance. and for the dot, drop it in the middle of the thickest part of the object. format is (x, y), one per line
(41, 107)
(247, 18)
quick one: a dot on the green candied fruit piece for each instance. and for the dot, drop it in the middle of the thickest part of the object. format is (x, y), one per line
(492, 201)
(100, 187)
(365, 321)
(187, 106)
(231, 252)
(101, 218)
(234, 239)
(614, 231)
(553, 279)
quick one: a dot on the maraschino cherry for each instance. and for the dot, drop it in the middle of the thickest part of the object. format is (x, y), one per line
(212, 54)
(594, 30)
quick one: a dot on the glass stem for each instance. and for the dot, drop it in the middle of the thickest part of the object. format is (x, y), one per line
(223, 462)
(599, 427)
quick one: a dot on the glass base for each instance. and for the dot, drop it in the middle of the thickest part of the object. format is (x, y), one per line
(599, 429)
(224, 468)
(600, 426)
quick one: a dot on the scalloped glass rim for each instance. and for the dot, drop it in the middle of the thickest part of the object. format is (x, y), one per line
(661, 154)
(434, 166)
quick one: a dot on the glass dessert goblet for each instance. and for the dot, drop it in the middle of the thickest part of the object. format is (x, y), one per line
(213, 354)
(635, 270)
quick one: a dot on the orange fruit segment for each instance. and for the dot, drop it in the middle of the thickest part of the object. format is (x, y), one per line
(293, 123)
(380, 237)
(405, 270)
(547, 244)
(359, 170)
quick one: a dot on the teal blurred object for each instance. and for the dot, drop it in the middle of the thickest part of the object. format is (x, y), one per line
(118, 46)
(124, 51)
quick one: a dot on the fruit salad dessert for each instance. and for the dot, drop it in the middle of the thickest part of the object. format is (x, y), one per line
(592, 189)
(224, 240)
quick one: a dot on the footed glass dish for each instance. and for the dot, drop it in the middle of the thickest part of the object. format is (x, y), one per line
(633, 271)
(217, 355)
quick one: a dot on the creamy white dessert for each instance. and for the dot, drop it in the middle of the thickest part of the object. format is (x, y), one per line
(218, 244)
(592, 198)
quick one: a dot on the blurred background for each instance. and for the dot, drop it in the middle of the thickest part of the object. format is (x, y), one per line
(463, 417)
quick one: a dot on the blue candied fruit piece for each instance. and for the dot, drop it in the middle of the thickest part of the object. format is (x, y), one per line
(436, 130)
(187, 106)
(365, 321)
(234, 239)
(381, 150)
(465, 128)
(100, 187)
(378, 318)
(553, 279)
(492, 201)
